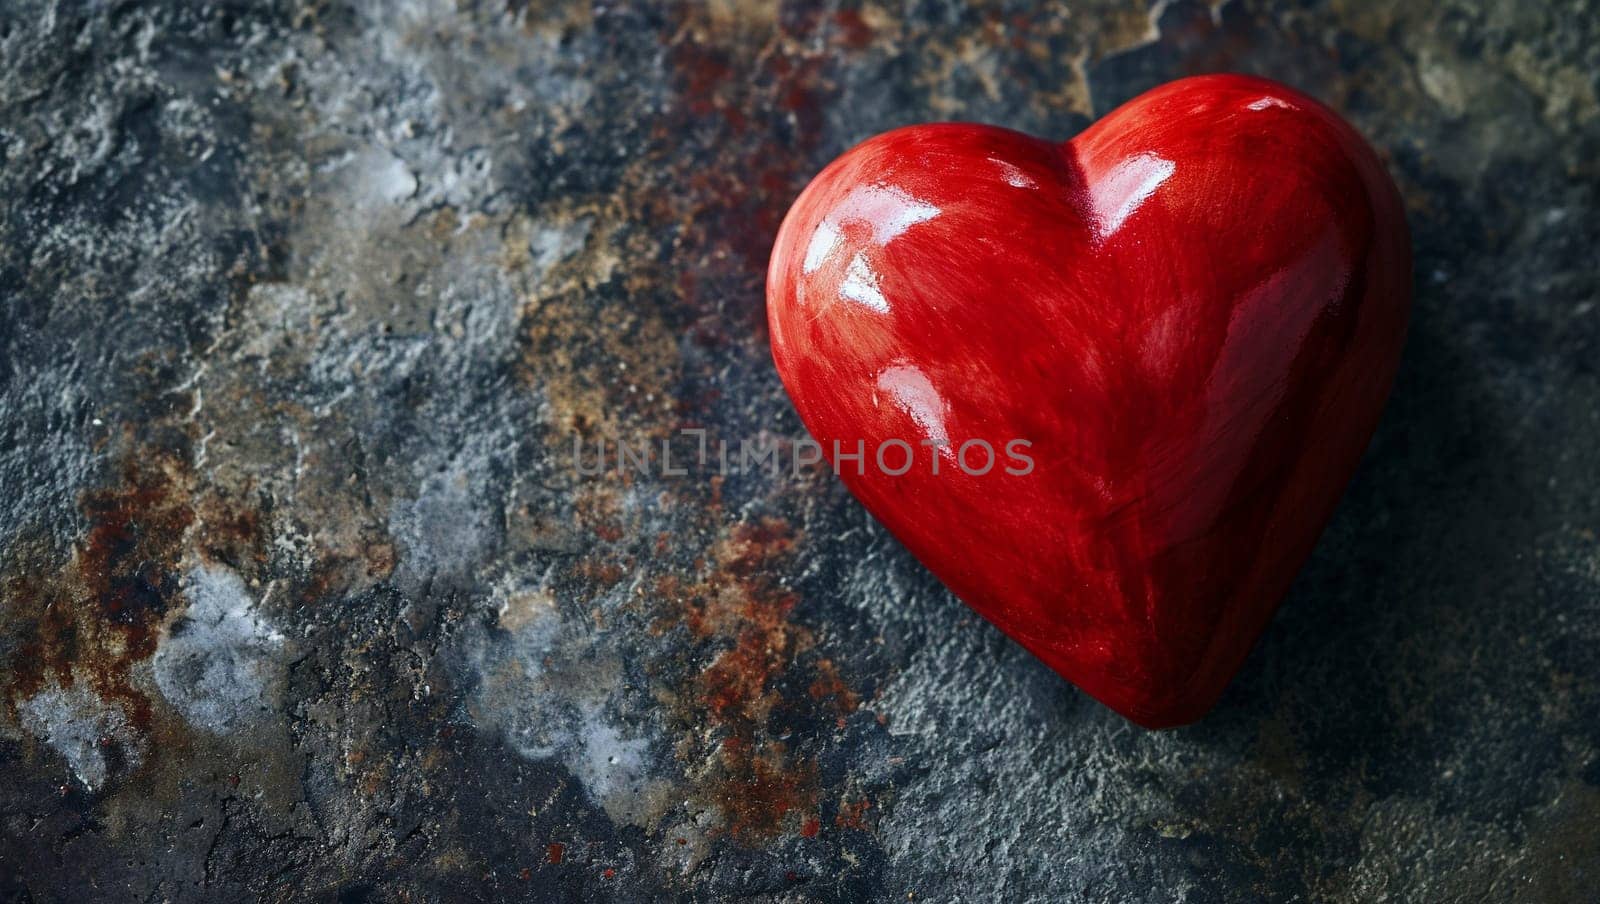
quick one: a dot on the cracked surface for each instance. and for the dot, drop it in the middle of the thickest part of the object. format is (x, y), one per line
(303, 306)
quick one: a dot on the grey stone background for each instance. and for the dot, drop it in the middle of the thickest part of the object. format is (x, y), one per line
(302, 304)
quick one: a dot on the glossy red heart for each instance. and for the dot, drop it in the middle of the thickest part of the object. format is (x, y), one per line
(1192, 313)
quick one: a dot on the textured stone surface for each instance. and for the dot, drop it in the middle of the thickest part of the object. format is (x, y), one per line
(302, 306)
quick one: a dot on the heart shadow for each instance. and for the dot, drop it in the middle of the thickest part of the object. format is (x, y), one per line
(1401, 632)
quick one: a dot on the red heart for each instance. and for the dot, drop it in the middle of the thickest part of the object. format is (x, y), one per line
(1193, 312)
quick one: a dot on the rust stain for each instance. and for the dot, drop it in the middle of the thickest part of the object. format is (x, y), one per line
(739, 81)
(854, 32)
(829, 686)
(128, 559)
(751, 547)
(760, 785)
(669, 263)
(91, 618)
(340, 568)
(102, 611)
(853, 814)
(746, 700)
(735, 685)
(598, 391)
(603, 574)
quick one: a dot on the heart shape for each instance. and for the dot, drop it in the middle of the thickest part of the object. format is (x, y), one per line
(1191, 314)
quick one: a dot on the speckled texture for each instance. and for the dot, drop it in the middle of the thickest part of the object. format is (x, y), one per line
(301, 309)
